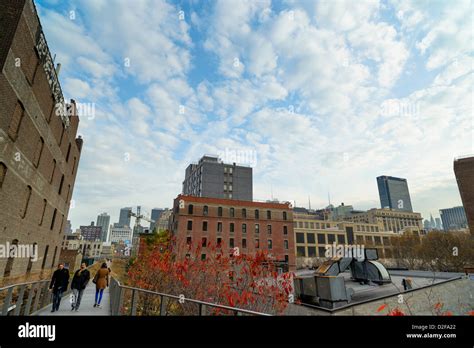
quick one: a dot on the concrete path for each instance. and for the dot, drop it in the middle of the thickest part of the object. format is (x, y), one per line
(87, 304)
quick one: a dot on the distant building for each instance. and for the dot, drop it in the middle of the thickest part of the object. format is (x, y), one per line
(438, 224)
(453, 218)
(103, 220)
(464, 171)
(155, 216)
(67, 227)
(340, 212)
(394, 193)
(212, 178)
(91, 232)
(391, 219)
(124, 218)
(164, 220)
(426, 224)
(120, 234)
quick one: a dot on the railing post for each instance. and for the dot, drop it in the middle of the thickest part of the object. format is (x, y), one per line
(163, 301)
(30, 299)
(202, 309)
(133, 309)
(8, 299)
(120, 301)
(37, 297)
(19, 301)
(46, 298)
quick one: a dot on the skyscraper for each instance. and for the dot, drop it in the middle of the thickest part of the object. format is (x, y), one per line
(124, 218)
(394, 193)
(464, 171)
(212, 178)
(453, 218)
(155, 216)
(438, 224)
(103, 220)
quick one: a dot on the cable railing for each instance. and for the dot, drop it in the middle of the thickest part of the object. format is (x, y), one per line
(127, 300)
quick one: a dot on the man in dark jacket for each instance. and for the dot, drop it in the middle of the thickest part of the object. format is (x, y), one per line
(78, 284)
(58, 285)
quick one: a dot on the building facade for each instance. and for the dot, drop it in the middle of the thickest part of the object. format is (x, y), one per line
(464, 171)
(124, 218)
(390, 219)
(393, 193)
(103, 220)
(155, 216)
(453, 218)
(91, 232)
(248, 226)
(39, 151)
(210, 177)
(120, 234)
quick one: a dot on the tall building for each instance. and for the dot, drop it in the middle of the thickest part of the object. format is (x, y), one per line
(124, 218)
(164, 220)
(91, 232)
(39, 151)
(394, 193)
(68, 227)
(212, 178)
(155, 216)
(464, 171)
(228, 223)
(391, 220)
(453, 218)
(438, 224)
(103, 220)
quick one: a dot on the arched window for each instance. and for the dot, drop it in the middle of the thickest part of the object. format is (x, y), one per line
(9, 265)
(30, 261)
(45, 256)
(205, 210)
(54, 256)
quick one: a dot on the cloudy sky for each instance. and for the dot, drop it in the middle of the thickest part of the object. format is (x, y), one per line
(318, 96)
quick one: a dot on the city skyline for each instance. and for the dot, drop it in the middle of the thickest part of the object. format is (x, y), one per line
(390, 83)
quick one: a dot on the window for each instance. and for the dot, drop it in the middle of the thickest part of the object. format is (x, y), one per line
(232, 212)
(52, 172)
(54, 256)
(45, 203)
(377, 240)
(310, 237)
(269, 214)
(204, 225)
(38, 152)
(68, 152)
(231, 227)
(203, 257)
(285, 244)
(301, 251)
(219, 227)
(257, 214)
(27, 201)
(45, 256)
(269, 229)
(257, 228)
(53, 219)
(204, 242)
(269, 244)
(257, 243)
(244, 228)
(244, 213)
(300, 238)
(205, 210)
(322, 251)
(311, 225)
(190, 225)
(386, 241)
(219, 242)
(219, 211)
(189, 240)
(9, 265)
(311, 251)
(285, 230)
(16, 121)
(3, 173)
(61, 184)
(231, 242)
(73, 165)
(190, 209)
(340, 239)
(306, 224)
(331, 238)
(244, 243)
(284, 215)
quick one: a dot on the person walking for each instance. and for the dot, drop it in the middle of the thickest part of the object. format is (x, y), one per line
(78, 284)
(101, 280)
(58, 285)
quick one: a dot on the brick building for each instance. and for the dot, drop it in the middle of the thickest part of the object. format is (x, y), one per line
(39, 151)
(464, 171)
(91, 232)
(249, 226)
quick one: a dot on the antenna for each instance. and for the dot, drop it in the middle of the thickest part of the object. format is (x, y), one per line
(329, 198)
(309, 202)
(271, 190)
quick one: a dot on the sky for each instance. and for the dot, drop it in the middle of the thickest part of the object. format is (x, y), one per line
(319, 97)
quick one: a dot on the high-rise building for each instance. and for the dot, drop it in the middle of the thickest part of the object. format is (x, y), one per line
(124, 218)
(91, 232)
(453, 218)
(438, 224)
(464, 171)
(39, 151)
(212, 178)
(155, 216)
(103, 220)
(394, 193)
(68, 227)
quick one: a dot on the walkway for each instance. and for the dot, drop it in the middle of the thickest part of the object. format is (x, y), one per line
(87, 304)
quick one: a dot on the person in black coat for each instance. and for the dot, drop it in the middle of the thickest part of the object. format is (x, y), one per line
(58, 285)
(78, 284)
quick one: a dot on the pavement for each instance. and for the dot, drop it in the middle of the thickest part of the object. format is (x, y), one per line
(86, 307)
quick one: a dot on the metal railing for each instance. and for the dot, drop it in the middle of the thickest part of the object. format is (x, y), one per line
(117, 299)
(25, 298)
